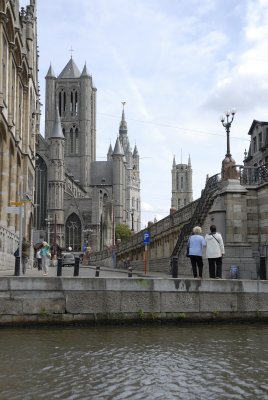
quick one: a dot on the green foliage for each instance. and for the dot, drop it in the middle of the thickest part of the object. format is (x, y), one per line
(122, 231)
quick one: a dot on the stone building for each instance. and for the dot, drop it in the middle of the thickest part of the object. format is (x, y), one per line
(81, 200)
(258, 150)
(19, 123)
(182, 189)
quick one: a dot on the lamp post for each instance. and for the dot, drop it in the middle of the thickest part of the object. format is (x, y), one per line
(48, 221)
(227, 125)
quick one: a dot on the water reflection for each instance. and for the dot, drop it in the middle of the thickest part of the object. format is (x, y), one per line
(135, 362)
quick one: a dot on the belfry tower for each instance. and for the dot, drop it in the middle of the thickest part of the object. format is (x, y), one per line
(182, 190)
(73, 93)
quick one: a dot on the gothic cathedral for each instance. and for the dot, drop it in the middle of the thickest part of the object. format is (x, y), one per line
(78, 199)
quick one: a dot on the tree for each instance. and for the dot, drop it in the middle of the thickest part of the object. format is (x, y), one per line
(122, 231)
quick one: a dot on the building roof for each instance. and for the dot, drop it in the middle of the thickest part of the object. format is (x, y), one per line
(253, 125)
(101, 173)
(70, 71)
(50, 72)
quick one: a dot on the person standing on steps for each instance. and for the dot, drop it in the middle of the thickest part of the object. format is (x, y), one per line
(196, 243)
(214, 252)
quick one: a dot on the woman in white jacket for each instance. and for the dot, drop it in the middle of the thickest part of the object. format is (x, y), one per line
(214, 252)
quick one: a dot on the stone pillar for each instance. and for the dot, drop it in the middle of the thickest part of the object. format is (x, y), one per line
(233, 199)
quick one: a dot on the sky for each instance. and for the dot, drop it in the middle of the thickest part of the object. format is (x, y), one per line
(178, 65)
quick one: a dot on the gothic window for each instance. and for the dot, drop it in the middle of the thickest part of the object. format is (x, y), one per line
(179, 203)
(76, 103)
(76, 142)
(60, 103)
(64, 102)
(71, 140)
(71, 103)
(181, 182)
(73, 233)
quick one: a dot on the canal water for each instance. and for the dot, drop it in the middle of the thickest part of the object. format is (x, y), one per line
(199, 361)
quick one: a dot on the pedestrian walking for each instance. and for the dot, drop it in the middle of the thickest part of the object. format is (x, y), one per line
(196, 243)
(214, 252)
(25, 253)
(45, 255)
(39, 260)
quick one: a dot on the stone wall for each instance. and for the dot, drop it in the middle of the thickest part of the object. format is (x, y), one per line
(27, 300)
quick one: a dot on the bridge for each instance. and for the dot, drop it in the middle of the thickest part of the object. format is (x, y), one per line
(168, 237)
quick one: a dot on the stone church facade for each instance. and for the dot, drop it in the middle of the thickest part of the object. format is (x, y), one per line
(19, 124)
(79, 200)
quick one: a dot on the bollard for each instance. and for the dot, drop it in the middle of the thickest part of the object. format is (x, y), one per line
(174, 267)
(76, 266)
(17, 266)
(59, 267)
(129, 272)
(97, 273)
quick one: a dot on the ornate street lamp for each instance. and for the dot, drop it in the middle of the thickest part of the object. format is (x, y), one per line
(227, 125)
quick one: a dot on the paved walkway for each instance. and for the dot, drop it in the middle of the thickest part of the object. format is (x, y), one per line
(88, 272)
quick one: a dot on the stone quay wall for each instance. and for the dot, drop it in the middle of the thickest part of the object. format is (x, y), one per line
(34, 300)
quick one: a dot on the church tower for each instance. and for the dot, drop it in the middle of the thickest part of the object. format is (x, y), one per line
(132, 215)
(74, 94)
(182, 191)
(56, 183)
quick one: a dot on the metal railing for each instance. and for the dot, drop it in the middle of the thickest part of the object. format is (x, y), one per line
(250, 175)
(198, 217)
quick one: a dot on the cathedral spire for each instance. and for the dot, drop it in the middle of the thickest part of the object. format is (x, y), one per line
(50, 72)
(123, 123)
(57, 129)
(189, 161)
(84, 72)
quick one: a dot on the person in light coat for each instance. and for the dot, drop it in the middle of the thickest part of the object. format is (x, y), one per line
(214, 252)
(196, 243)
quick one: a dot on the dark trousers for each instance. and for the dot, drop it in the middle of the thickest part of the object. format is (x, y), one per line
(215, 265)
(39, 264)
(197, 261)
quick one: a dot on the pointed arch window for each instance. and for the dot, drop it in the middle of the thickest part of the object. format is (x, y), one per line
(71, 103)
(76, 141)
(76, 103)
(73, 232)
(71, 140)
(60, 103)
